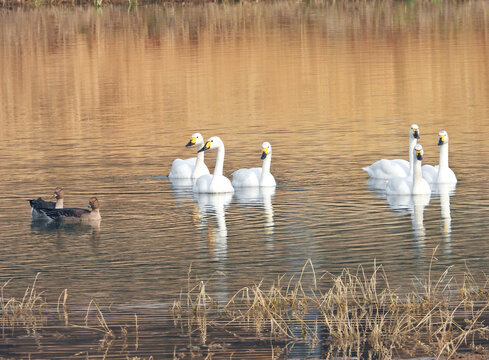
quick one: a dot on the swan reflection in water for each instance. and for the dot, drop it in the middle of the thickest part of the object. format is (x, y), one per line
(444, 191)
(415, 205)
(182, 188)
(262, 197)
(214, 204)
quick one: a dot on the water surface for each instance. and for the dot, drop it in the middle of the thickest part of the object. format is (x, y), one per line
(101, 103)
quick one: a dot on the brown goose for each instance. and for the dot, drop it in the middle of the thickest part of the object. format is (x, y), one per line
(39, 203)
(75, 214)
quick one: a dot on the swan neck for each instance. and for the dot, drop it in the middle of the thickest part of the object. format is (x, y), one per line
(265, 167)
(200, 155)
(219, 161)
(412, 143)
(444, 156)
(59, 204)
(417, 172)
(200, 160)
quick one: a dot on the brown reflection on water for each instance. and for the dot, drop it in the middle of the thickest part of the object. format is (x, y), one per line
(159, 68)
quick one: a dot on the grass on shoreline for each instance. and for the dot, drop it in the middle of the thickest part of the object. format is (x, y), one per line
(354, 314)
(360, 315)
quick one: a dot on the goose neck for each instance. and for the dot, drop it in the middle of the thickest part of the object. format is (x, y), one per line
(59, 204)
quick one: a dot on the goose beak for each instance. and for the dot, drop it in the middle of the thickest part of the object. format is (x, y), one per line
(441, 140)
(207, 146)
(419, 155)
(264, 153)
(416, 134)
(90, 204)
(191, 142)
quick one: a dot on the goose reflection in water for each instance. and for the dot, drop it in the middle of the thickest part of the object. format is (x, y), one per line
(216, 204)
(415, 205)
(259, 196)
(61, 229)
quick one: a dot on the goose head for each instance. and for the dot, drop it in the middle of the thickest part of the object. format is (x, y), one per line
(418, 152)
(195, 139)
(442, 137)
(58, 193)
(93, 203)
(213, 143)
(266, 150)
(414, 131)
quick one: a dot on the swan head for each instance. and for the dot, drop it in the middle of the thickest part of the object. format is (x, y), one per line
(266, 150)
(93, 203)
(213, 143)
(442, 137)
(418, 152)
(414, 131)
(196, 138)
(58, 193)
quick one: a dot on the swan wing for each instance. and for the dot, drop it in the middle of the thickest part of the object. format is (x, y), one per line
(398, 186)
(202, 184)
(386, 169)
(430, 173)
(246, 177)
(182, 169)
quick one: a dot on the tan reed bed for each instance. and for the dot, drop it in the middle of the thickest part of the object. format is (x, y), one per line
(358, 315)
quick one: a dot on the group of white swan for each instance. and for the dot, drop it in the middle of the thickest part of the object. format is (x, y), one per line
(204, 182)
(410, 178)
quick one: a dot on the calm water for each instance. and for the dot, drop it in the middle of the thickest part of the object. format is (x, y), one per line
(102, 102)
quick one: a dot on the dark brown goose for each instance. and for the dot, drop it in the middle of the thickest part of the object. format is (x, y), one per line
(39, 203)
(75, 214)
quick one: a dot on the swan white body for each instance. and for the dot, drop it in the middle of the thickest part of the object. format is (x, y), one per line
(387, 169)
(441, 174)
(191, 168)
(217, 182)
(410, 185)
(255, 177)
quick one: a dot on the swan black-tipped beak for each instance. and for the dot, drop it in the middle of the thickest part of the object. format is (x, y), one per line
(263, 155)
(419, 156)
(190, 143)
(441, 141)
(207, 146)
(416, 134)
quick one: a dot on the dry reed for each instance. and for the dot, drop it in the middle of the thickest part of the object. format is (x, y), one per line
(357, 315)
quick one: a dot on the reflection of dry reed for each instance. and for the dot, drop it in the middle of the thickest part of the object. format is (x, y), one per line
(358, 313)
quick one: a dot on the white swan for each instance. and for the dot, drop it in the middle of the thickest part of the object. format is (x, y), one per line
(215, 183)
(410, 185)
(441, 173)
(191, 168)
(256, 176)
(387, 169)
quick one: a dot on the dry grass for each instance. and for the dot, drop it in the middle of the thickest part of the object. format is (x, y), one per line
(357, 314)
(25, 312)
